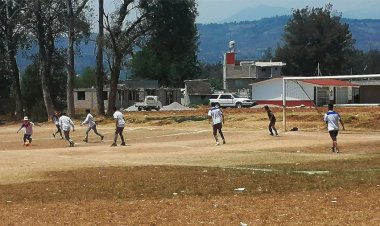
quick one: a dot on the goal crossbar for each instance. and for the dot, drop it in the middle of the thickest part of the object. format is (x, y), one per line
(313, 78)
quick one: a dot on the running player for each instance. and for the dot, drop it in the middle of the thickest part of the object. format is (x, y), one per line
(28, 126)
(91, 126)
(66, 123)
(55, 119)
(332, 120)
(216, 116)
(272, 121)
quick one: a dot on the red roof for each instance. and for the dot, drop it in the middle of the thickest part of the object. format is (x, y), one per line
(329, 82)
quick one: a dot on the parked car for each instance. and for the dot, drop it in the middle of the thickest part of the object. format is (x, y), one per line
(150, 102)
(231, 100)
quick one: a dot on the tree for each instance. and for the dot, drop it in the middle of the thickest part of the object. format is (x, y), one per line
(170, 54)
(315, 36)
(46, 24)
(74, 9)
(13, 37)
(99, 60)
(87, 79)
(124, 27)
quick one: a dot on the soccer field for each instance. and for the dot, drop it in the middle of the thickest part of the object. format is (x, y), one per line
(172, 173)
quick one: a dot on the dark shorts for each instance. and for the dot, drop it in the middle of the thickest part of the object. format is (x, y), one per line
(333, 134)
(216, 127)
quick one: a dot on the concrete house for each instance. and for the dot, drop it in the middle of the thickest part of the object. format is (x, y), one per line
(196, 92)
(127, 94)
(306, 92)
(369, 91)
(239, 74)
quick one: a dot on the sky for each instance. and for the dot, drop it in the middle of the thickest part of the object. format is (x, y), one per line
(213, 11)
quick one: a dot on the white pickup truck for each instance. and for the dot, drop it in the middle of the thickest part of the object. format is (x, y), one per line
(230, 100)
(150, 102)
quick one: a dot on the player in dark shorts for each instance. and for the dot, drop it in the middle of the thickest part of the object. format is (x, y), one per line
(332, 120)
(272, 121)
(216, 116)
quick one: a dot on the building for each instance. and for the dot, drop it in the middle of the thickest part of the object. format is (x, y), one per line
(196, 92)
(239, 74)
(369, 91)
(304, 92)
(128, 94)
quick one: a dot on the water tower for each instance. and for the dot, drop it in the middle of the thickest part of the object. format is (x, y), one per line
(231, 45)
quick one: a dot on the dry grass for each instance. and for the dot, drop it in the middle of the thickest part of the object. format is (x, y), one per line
(276, 192)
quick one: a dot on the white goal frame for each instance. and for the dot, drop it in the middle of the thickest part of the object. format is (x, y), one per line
(294, 78)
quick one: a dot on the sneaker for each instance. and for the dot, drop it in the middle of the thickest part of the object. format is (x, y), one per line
(113, 145)
(123, 144)
(71, 144)
(332, 150)
(224, 141)
(85, 140)
(54, 135)
(217, 143)
(101, 137)
(271, 134)
(337, 151)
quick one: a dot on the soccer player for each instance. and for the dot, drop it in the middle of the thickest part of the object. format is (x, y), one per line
(91, 126)
(272, 121)
(332, 120)
(66, 124)
(216, 116)
(120, 123)
(55, 119)
(28, 126)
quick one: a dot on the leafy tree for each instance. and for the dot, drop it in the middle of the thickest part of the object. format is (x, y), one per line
(13, 37)
(315, 36)
(124, 28)
(214, 72)
(87, 79)
(75, 22)
(32, 88)
(170, 53)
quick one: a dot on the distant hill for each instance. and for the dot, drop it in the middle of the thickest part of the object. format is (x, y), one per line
(252, 39)
(257, 13)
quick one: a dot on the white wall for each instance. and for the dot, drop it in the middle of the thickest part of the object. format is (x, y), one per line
(272, 90)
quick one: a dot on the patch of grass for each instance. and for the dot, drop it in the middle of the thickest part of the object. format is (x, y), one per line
(158, 182)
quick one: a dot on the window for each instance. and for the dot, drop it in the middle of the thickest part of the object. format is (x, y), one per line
(105, 95)
(263, 69)
(81, 95)
(214, 96)
(226, 97)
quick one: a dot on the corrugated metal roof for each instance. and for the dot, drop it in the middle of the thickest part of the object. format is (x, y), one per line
(329, 82)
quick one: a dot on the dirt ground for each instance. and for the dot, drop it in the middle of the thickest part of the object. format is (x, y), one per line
(172, 173)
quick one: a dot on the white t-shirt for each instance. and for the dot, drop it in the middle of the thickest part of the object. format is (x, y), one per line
(120, 118)
(216, 115)
(90, 120)
(332, 118)
(65, 123)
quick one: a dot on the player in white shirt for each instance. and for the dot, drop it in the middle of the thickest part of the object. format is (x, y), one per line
(120, 123)
(332, 120)
(91, 126)
(28, 126)
(216, 116)
(66, 124)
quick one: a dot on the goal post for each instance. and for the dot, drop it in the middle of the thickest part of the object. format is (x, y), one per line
(296, 79)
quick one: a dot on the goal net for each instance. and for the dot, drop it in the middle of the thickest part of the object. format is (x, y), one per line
(317, 91)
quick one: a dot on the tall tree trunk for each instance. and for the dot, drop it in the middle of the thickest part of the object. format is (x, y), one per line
(43, 61)
(99, 61)
(115, 73)
(16, 86)
(70, 60)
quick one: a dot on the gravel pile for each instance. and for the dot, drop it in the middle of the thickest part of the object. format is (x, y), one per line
(175, 106)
